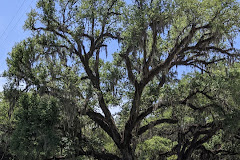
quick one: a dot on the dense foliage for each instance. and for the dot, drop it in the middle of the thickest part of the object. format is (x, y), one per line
(63, 81)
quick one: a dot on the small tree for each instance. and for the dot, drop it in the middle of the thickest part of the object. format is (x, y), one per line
(36, 134)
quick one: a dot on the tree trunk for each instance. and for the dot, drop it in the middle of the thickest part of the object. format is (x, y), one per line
(184, 156)
(127, 154)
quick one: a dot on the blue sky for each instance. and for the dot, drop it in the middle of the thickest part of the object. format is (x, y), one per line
(13, 13)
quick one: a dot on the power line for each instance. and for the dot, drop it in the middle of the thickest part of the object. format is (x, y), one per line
(3, 42)
(19, 20)
(12, 19)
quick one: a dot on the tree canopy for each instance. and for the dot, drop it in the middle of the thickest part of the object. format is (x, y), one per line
(63, 81)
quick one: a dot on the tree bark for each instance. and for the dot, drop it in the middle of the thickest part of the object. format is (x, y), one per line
(127, 153)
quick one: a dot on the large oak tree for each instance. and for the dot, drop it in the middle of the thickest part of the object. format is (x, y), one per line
(66, 57)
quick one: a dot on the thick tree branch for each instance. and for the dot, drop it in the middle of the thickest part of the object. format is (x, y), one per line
(154, 123)
(153, 26)
(129, 65)
(161, 104)
(99, 119)
(150, 109)
(200, 134)
(215, 49)
(172, 55)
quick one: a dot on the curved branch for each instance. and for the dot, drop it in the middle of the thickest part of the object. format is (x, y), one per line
(149, 110)
(129, 65)
(154, 123)
(178, 48)
(100, 120)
